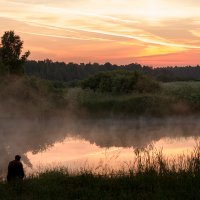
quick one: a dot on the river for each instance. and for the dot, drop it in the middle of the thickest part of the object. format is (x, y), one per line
(93, 143)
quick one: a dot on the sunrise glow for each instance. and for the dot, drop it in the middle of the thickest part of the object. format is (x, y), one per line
(156, 32)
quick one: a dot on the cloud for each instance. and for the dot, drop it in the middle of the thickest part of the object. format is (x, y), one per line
(142, 37)
(196, 32)
(61, 36)
(85, 22)
(119, 22)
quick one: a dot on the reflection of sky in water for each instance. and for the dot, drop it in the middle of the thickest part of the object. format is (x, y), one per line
(73, 141)
(75, 153)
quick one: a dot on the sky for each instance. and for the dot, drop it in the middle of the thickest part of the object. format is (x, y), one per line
(149, 32)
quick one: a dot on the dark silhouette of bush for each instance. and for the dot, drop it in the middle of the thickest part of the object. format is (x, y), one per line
(147, 85)
(120, 81)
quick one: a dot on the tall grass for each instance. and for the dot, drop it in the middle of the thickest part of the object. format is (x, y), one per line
(177, 98)
(185, 92)
(150, 176)
(135, 104)
(46, 98)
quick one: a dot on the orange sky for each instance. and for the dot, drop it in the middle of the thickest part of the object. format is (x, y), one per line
(154, 32)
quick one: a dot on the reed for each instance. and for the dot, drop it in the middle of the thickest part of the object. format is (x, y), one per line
(151, 175)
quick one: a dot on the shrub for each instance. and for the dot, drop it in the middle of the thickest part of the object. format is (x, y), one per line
(120, 82)
(147, 85)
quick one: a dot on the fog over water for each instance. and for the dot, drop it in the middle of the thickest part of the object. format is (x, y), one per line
(20, 135)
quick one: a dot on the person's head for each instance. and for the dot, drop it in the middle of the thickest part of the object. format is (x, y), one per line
(17, 157)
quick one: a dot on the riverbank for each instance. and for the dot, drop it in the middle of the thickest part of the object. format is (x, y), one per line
(153, 176)
(146, 185)
(47, 99)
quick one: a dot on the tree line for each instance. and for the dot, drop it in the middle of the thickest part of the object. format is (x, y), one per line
(60, 71)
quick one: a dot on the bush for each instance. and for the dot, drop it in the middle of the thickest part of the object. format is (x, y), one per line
(147, 85)
(120, 82)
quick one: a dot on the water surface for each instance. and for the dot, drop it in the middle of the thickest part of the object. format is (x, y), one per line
(76, 143)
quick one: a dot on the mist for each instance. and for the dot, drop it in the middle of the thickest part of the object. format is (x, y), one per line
(22, 135)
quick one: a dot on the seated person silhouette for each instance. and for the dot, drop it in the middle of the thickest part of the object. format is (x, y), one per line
(15, 170)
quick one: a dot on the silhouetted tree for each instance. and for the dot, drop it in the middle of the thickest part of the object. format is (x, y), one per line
(3, 68)
(10, 53)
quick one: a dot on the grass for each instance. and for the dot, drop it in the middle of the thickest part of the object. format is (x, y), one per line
(151, 176)
(47, 99)
(187, 92)
(176, 98)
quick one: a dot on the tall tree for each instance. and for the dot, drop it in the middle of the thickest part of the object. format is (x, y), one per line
(11, 49)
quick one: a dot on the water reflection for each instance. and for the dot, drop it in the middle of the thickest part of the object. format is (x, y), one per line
(27, 135)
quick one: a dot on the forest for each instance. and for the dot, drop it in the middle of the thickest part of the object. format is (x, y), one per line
(61, 71)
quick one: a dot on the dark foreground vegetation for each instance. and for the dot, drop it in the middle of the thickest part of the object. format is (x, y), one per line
(151, 176)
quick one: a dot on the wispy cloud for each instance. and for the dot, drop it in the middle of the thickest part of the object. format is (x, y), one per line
(139, 28)
(61, 36)
(142, 36)
(196, 32)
